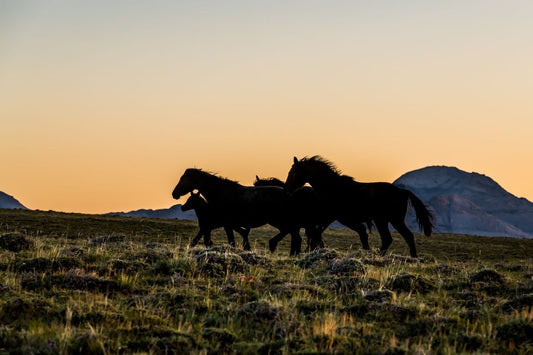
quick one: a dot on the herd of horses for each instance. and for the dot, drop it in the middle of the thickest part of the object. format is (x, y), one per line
(314, 195)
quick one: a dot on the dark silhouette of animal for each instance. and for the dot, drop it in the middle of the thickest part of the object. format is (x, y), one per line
(381, 202)
(209, 220)
(309, 213)
(243, 206)
(316, 209)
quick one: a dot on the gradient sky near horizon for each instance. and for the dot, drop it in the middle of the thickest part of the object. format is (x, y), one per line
(104, 104)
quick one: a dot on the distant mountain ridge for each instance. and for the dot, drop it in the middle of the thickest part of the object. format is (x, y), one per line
(164, 213)
(469, 203)
(8, 201)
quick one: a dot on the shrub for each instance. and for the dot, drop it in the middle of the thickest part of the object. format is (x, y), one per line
(259, 310)
(216, 264)
(347, 266)
(488, 276)
(517, 331)
(15, 242)
(519, 303)
(108, 239)
(46, 264)
(379, 296)
(316, 257)
(408, 283)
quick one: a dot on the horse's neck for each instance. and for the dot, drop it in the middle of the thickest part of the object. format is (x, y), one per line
(324, 182)
(214, 189)
(200, 209)
(332, 183)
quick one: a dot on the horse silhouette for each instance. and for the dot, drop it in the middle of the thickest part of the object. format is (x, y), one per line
(317, 210)
(381, 202)
(309, 213)
(208, 219)
(243, 206)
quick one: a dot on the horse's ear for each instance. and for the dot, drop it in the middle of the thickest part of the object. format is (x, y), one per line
(257, 177)
(295, 160)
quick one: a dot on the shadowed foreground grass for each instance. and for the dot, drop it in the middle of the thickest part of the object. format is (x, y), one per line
(73, 283)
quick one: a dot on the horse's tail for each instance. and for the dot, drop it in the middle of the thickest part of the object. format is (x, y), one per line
(424, 217)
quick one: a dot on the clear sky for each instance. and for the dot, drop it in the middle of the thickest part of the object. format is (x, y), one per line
(104, 104)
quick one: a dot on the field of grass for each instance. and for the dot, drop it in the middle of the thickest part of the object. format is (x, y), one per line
(72, 283)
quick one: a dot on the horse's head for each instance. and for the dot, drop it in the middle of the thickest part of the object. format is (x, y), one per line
(296, 177)
(272, 181)
(195, 201)
(187, 183)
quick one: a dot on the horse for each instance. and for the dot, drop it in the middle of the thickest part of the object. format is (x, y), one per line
(381, 202)
(243, 206)
(314, 239)
(208, 220)
(309, 214)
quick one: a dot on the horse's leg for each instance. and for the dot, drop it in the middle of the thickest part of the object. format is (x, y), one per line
(231, 237)
(244, 234)
(361, 230)
(407, 235)
(309, 236)
(207, 238)
(320, 230)
(196, 239)
(314, 237)
(273, 242)
(296, 243)
(386, 238)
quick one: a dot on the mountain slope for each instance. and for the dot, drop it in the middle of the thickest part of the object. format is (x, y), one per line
(469, 203)
(7, 201)
(172, 212)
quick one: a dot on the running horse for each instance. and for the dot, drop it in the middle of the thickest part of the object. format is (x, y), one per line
(243, 206)
(381, 202)
(316, 215)
(208, 219)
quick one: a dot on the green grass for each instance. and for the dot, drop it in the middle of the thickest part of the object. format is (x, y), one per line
(72, 283)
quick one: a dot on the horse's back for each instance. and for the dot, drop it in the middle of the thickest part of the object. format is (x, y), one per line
(376, 199)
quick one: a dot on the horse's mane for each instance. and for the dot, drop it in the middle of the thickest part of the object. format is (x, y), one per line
(270, 181)
(325, 165)
(322, 163)
(214, 177)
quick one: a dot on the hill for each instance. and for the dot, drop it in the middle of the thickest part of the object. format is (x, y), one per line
(7, 201)
(469, 203)
(165, 213)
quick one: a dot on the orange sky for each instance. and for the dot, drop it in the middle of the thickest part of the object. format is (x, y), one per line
(104, 105)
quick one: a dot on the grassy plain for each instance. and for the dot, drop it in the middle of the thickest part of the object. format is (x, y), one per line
(72, 283)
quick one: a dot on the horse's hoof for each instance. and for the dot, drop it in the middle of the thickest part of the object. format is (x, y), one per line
(247, 247)
(382, 252)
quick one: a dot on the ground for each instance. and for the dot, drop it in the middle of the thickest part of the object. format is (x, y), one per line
(73, 283)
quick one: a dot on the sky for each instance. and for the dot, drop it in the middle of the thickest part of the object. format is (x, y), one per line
(104, 104)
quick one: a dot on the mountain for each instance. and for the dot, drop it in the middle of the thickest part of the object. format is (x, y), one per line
(468, 203)
(7, 201)
(172, 212)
